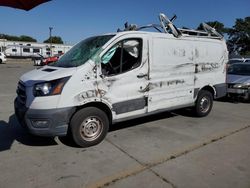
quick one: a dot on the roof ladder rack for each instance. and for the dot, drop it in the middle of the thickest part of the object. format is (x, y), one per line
(166, 26)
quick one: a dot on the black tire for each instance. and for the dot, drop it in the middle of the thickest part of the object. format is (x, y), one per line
(248, 98)
(1, 61)
(203, 104)
(89, 126)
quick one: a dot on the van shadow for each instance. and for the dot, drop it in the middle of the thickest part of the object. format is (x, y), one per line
(11, 131)
(68, 140)
(142, 120)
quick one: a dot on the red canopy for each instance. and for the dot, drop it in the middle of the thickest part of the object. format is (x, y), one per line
(22, 4)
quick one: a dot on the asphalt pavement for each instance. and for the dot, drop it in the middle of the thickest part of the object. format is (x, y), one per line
(170, 150)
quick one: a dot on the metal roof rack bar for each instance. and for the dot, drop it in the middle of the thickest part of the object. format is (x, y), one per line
(167, 26)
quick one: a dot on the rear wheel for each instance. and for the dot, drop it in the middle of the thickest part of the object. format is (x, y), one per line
(248, 97)
(204, 103)
(1, 61)
(89, 126)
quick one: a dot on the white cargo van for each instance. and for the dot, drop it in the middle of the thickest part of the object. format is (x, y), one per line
(115, 77)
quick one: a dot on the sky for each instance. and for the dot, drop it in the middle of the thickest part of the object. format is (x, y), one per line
(74, 20)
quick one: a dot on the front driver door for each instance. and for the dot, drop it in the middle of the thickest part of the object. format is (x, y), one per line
(124, 76)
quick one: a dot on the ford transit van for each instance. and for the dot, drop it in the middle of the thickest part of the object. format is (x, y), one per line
(119, 76)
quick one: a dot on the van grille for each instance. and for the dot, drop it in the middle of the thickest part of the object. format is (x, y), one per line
(21, 93)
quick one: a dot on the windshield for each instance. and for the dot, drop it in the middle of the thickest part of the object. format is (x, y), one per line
(82, 52)
(240, 69)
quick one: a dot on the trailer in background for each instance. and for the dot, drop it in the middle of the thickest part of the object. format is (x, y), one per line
(18, 49)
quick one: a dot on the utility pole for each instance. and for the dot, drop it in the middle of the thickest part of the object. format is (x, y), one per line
(50, 39)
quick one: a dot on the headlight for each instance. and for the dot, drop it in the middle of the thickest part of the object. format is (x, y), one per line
(242, 86)
(54, 87)
(43, 88)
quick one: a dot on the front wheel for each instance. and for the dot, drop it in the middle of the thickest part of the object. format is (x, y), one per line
(204, 103)
(89, 126)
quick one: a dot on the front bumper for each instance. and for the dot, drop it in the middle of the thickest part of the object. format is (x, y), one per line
(238, 91)
(242, 93)
(52, 122)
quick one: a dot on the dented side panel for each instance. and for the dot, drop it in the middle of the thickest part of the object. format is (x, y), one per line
(172, 73)
(82, 88)
(179, 65)
(211, 64)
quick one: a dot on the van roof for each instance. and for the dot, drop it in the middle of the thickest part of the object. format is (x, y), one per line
(163, 35)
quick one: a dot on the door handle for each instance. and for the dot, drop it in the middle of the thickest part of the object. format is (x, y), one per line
(141, 75)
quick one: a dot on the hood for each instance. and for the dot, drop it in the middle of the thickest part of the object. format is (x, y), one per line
(46, 73)
(237, 79)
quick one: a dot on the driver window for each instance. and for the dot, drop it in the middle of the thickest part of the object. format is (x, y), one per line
(122, 57)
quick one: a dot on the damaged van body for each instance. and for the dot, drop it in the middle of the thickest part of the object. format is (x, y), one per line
(125, 75)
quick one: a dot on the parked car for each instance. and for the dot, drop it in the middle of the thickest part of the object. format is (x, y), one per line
(39, 60)
(2, 57)
(238, 60)
(115, 77)
(238, 80)
(52, 59)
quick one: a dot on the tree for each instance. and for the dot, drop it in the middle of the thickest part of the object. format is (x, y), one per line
(23, 38)
(54, 40)
(27, 38)
(239, 37)
(217, 25)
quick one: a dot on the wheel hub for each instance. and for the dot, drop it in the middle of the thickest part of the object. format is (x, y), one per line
(204, 104)
(91, 128)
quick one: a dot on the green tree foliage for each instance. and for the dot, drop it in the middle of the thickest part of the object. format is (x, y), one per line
(239, 37)
(27, 38)
(54, 40)
(23, 38)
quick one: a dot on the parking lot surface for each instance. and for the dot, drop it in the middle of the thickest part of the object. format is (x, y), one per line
(171, 149)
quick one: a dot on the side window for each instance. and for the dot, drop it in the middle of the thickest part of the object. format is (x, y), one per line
(26, 50)
(35, 50)
(122, 57)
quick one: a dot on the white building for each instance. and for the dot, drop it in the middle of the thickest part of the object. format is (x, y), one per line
(30, 49)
